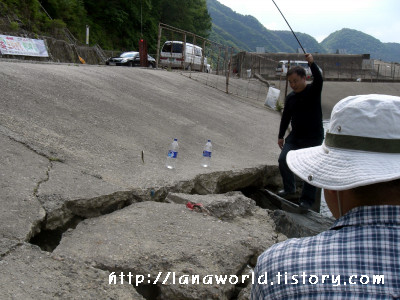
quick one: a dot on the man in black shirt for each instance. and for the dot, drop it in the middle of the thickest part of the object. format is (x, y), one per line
(303, 110)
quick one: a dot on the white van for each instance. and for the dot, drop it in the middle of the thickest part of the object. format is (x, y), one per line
(177, 54)
(282, 68)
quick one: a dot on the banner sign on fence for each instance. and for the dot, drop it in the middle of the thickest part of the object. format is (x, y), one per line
(13, 45)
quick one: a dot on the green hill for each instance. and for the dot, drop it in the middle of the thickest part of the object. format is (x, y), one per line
(357, 42)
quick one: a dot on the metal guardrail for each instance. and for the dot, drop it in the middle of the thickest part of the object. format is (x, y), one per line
(70, 37)
(100, 52)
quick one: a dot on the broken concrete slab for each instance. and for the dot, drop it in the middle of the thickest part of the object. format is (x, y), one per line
(215, 182)
(96, 197)
(290, 219)
(225, 207)
(7, 245)
(26, 272)
(234, 207)
(90, 197)
(21, 173)
(295, 225)
(225, 181)
(150, 237)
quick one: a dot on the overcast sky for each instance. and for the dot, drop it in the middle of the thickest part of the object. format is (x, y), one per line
(319, 18)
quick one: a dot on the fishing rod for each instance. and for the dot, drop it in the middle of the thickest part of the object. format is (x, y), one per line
(290, 27)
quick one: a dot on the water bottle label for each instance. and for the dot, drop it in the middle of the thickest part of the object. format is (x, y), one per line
(172, 154)
(206, 153)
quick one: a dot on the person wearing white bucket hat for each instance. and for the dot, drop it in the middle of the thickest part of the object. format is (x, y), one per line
(358, 166)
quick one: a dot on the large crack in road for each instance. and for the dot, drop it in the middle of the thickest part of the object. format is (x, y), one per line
(71, 212)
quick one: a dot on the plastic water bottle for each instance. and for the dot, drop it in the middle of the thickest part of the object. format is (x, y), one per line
(172, 155)
(206, 160)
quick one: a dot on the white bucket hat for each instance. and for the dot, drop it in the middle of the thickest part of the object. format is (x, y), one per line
(361, 147)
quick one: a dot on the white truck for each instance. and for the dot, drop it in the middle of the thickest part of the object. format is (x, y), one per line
(177, 54)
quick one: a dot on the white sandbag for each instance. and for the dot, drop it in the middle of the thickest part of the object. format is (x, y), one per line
(272, 97)
(249, 73)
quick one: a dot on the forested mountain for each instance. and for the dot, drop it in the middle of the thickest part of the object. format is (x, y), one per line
(248, 33)
(245, 32)
(309, 43)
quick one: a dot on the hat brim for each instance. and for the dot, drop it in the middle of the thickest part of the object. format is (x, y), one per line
(338, 169)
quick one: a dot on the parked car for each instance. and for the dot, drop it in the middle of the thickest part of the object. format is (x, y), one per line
(130, 59)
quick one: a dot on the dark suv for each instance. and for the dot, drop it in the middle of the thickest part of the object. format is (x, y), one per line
(130, 59)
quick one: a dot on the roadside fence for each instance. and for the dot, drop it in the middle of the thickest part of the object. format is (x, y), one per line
(249, 75)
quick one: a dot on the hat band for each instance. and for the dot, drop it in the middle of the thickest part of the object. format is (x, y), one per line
(362, 143)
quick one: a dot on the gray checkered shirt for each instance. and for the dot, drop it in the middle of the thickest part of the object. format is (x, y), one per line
(358, 258)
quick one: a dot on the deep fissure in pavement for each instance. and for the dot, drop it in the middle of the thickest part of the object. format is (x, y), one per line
(248, 181)
(48, 240)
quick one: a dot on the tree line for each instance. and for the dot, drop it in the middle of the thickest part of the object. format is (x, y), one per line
(114, 24)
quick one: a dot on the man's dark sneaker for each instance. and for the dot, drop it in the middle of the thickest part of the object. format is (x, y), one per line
(284, 194)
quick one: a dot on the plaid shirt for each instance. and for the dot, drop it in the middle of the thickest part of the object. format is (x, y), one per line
(342, 263)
